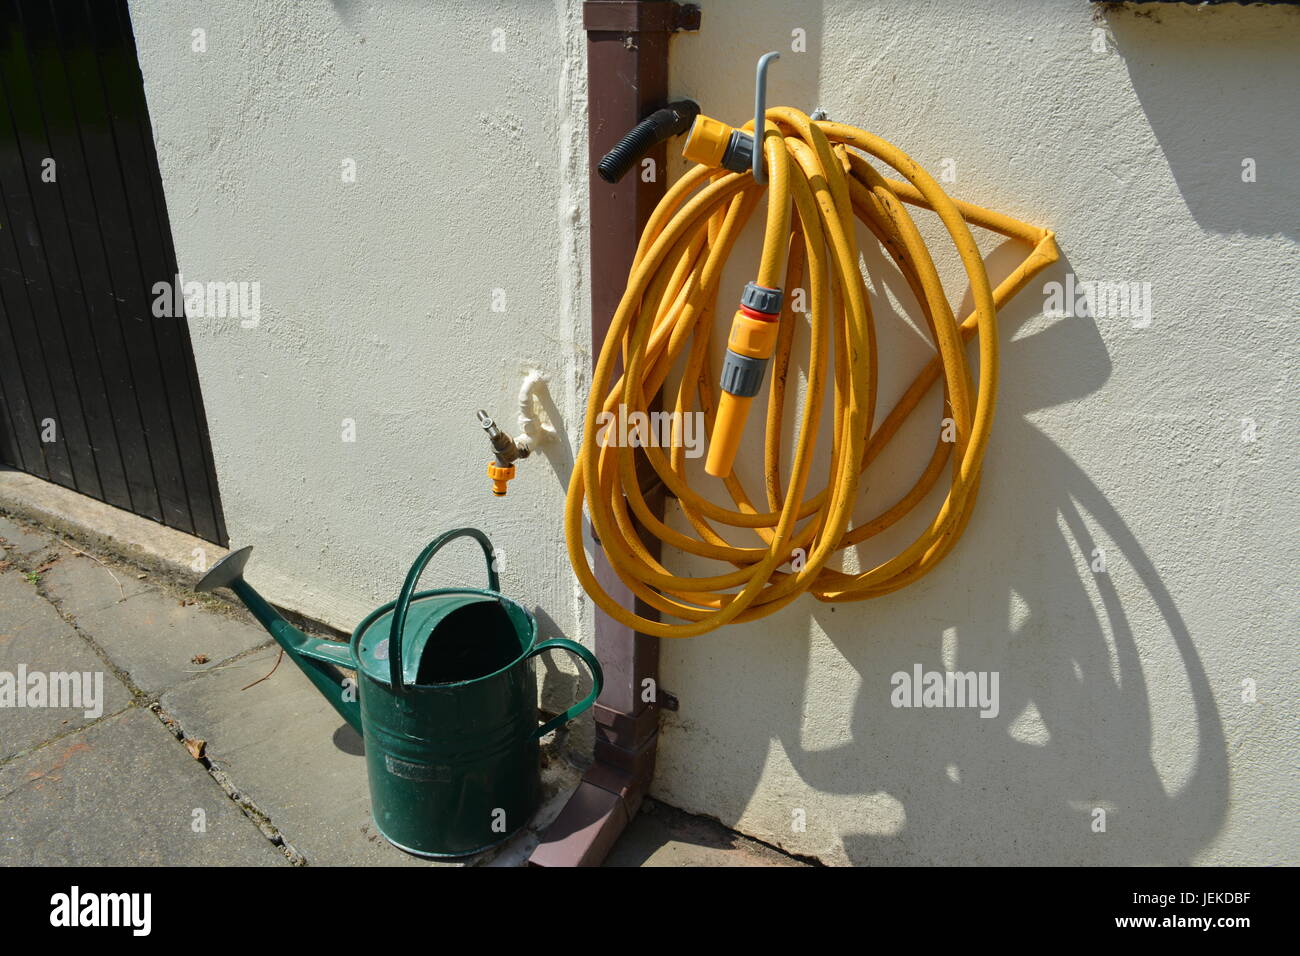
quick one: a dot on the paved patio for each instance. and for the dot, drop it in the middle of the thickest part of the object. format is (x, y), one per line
(193, 755)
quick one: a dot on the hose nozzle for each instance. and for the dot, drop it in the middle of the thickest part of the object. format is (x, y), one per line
(749, 347)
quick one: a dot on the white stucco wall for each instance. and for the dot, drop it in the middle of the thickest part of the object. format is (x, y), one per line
(378, 295)
(1121, 691)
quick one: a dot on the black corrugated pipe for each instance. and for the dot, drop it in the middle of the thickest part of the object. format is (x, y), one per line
(659, 127)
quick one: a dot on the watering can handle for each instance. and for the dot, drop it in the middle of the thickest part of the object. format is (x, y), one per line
(597, 681)
(408, 591)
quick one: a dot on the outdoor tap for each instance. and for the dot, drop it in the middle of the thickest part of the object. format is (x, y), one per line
(506, 450)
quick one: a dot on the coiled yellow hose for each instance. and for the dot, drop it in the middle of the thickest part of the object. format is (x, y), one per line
(667, 311)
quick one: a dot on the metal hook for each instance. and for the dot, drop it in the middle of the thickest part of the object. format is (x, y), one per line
(760, 114)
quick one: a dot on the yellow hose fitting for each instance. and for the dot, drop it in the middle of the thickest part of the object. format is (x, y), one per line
(500, 476)
(750, 344)
(713, 143)
(707, 141)
(752, 335)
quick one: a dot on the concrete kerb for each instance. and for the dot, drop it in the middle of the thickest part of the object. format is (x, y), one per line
(167, 554)
(105, 529)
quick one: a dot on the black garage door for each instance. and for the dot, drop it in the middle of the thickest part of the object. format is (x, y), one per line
(96, 393)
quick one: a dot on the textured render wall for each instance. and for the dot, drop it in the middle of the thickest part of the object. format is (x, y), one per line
(1120, 690)
(377, 295)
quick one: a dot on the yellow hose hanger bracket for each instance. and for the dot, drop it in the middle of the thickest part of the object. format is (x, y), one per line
(818, 183)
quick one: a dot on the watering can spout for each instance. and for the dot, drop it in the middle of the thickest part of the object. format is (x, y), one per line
(319, 659)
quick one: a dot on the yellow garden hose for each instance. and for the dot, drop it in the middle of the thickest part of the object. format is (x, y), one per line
(818, 186)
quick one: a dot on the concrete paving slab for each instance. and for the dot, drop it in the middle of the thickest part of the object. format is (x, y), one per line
(96, 793)
(19, 541)
(122, 792)
(151, 635)
(288, 752)
(664, 836)
(80, 585)
(33, 637)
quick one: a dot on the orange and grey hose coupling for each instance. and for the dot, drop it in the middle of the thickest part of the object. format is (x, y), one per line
(749, 347)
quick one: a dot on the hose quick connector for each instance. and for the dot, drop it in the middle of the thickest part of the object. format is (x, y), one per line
(713, 143)
(500, 477)
(749, 347)
(660, 126)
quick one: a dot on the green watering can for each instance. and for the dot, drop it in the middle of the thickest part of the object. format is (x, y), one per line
(445, 698)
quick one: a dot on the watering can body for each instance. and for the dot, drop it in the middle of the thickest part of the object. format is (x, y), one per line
(445, 698)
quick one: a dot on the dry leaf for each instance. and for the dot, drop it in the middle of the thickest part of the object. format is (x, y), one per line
(195, 747)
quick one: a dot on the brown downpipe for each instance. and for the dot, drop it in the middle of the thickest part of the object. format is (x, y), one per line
(627, 78)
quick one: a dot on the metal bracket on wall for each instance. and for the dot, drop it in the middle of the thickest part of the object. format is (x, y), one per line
(639, 16)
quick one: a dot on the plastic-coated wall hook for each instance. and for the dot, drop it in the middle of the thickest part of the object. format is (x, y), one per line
(760, 114)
